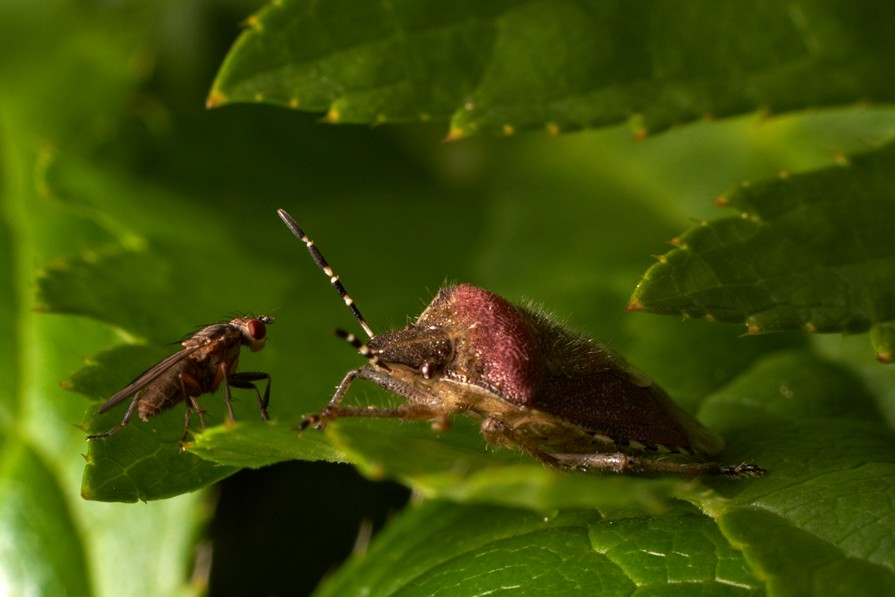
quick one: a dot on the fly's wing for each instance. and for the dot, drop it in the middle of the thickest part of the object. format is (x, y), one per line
(148, 377)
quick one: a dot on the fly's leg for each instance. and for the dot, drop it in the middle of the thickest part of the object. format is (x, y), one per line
(222, 375)
(620, 462)
(244, 380)
(191, 405)
(411, 411)
(127, 418)
(186, 381)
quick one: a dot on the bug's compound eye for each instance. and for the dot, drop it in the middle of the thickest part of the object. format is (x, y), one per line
(256, 329)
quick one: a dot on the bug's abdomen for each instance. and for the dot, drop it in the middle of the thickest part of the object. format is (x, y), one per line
(605, 404)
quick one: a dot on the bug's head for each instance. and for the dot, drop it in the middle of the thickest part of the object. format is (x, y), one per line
(253, 330)
(425, 350)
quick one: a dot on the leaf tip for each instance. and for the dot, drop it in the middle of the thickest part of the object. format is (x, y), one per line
(215, 99)
(508, 129)
(884, 357)
(553, 129)
(332, 117)
(722, 201)
(841, 159)
(752, 328)
(634, 305)
(783, 175)
(640, 133)
(253, 22)
(455, 134)
(809, 327)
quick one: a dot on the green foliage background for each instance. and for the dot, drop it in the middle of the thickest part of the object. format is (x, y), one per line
(130, 215)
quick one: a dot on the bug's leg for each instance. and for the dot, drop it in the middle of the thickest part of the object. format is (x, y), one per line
(441, 423)
(620, 462)
(127, 418)
(496, 433)
(411, 411)
(319, 420)
(405, 412)
(244, 380)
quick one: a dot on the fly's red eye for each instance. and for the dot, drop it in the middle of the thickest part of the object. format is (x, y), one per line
(257, 329)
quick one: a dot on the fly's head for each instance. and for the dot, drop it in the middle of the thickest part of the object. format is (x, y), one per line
(252, 330)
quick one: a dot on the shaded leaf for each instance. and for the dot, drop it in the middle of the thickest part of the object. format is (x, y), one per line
(516, 65)
(805, 252)
(485, 549)
(882, 336)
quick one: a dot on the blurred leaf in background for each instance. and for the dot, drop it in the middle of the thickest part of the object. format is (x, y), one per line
(131, 216)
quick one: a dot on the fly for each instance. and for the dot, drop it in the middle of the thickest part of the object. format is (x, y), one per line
(210, 357)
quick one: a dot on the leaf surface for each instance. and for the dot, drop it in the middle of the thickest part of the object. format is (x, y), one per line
(803, 252)
(531, 64)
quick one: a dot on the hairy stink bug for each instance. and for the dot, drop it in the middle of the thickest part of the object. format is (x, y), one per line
(560, 396)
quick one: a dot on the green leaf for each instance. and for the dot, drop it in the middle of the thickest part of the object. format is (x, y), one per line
(882, 336)
(484, 549)
(804, 252)
(253, 445)
(821, 518)
(832, 466)
(516, 65)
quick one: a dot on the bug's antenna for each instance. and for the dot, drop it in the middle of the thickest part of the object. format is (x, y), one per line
(323, 265)
(362, 348)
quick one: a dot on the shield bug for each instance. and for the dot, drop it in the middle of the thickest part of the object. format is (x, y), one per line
(567, 400)
(210, 357)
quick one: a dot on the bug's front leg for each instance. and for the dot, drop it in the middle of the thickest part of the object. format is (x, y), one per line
(411, 411)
